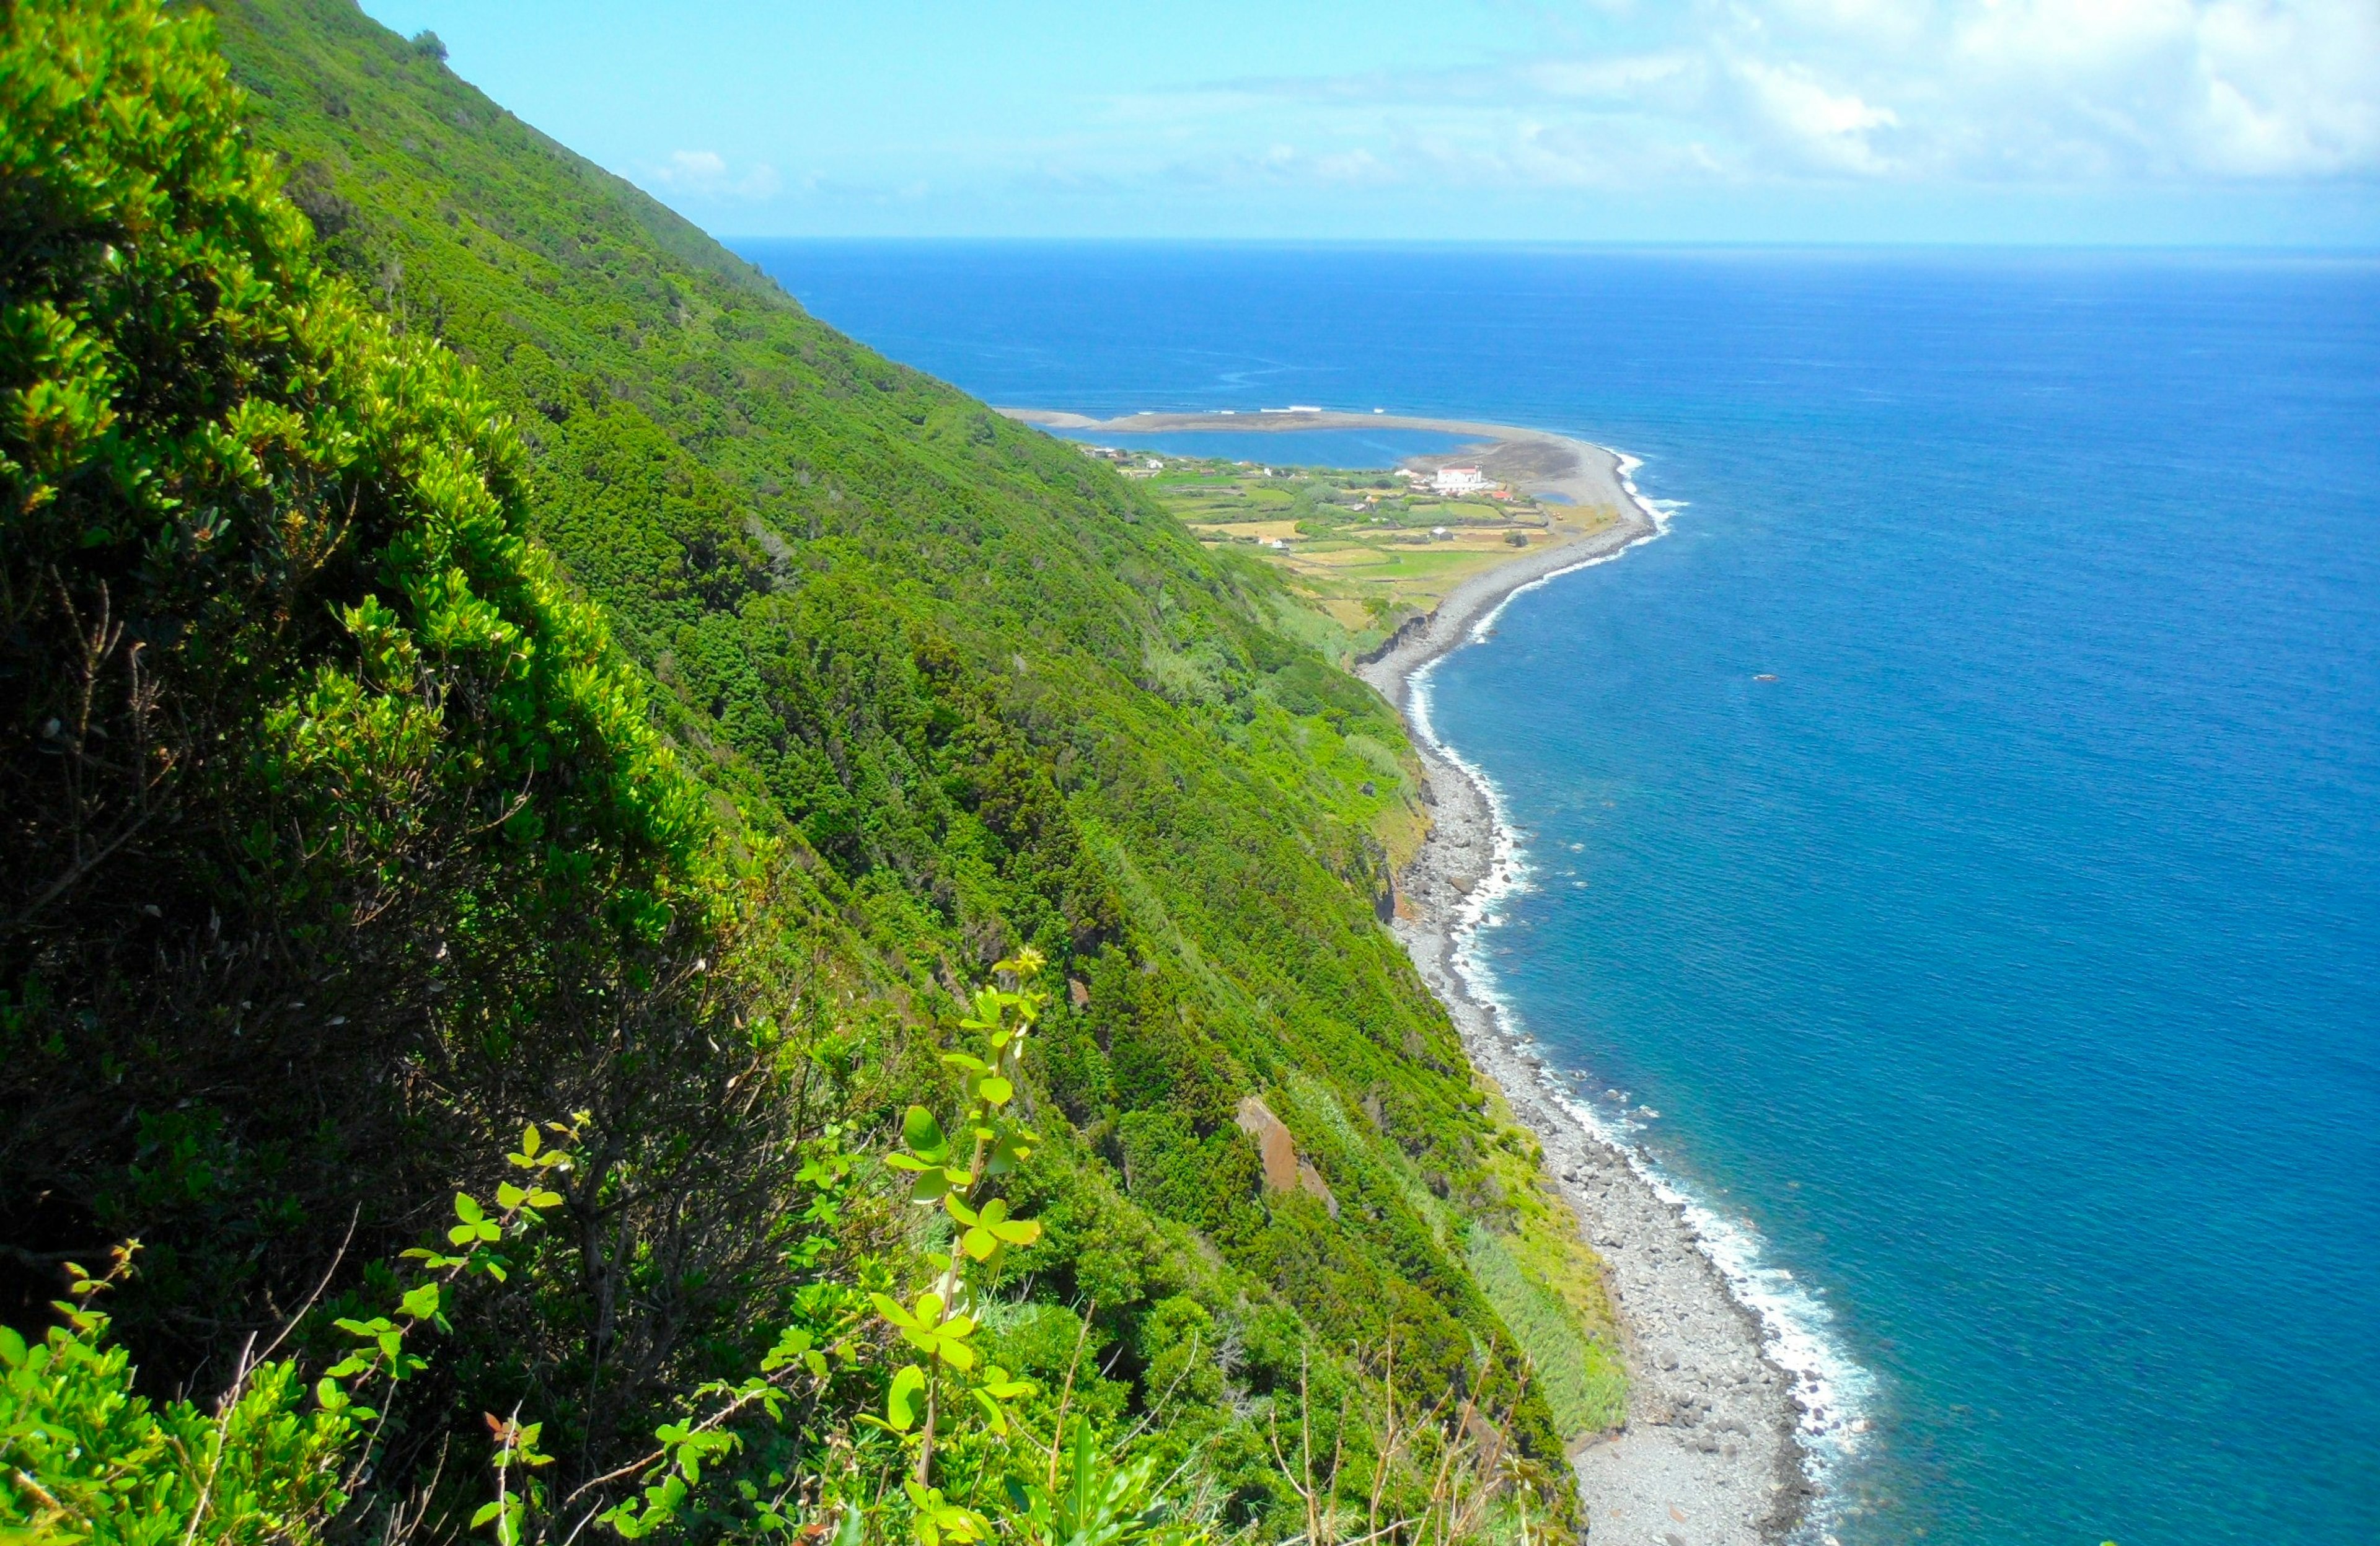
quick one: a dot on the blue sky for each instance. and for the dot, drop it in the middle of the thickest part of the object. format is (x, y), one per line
(2232, 122)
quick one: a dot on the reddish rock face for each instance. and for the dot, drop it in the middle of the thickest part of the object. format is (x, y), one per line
(1283, 1170)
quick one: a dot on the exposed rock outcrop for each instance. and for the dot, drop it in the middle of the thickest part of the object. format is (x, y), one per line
(1284, 1169)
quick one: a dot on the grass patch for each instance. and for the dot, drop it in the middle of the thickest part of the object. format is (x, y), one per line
(1580, 1374)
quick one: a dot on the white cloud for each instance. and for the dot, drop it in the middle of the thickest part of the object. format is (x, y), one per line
(1833, 129)
(1628, 78)
(2291, 91)
(706, 175)
(1358, 165)
(2029, 92)
(2070, 34)
(2175, 88)
(2072, 90)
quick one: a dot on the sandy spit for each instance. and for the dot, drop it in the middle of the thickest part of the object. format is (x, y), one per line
(1708, 1456)
(1534, 461)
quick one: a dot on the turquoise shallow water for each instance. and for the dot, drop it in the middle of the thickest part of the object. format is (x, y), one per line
(2010, 963)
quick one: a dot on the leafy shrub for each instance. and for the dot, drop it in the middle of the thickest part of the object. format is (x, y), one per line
(88, 1459)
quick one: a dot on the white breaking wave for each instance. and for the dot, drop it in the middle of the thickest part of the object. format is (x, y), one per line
(1655, 510)
(1834, 1393)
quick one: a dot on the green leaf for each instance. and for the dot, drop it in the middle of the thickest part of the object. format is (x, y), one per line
(890, 1309)
(996, 1090)
(1004, 1386)
(901, 1401)
(422, 1303)
(793, 1344)
(924, 1135)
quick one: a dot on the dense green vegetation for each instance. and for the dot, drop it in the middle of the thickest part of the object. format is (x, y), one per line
(478, 660)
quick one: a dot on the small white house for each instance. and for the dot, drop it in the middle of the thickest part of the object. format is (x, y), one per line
(1459, 481)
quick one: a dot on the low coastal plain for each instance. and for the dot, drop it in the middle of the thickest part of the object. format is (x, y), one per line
(1710, 1454)
(1371, 552)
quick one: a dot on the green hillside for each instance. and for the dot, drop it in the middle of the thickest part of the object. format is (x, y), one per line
(479, 655)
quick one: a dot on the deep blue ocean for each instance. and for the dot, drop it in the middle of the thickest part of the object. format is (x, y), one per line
(2009, 966)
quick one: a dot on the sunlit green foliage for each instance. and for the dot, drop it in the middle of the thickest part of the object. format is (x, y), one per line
(341, 839)
(88, 1459)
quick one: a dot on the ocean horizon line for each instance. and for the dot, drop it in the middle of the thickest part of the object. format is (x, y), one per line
(2353, 252)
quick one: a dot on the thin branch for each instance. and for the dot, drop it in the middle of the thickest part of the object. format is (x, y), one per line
(714, 1420)
(1150, 1416)
(215, 1438)
(303, 1310)
(1058, 1428)
(80, 868)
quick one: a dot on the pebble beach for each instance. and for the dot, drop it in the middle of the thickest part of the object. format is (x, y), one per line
(1708, 1456)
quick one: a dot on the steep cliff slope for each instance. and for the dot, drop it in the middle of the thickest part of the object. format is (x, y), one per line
(950, 691)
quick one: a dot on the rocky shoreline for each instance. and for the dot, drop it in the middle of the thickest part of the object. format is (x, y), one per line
(1710, 1455)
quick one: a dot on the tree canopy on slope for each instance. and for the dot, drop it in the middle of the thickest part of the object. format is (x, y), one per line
(373, 843)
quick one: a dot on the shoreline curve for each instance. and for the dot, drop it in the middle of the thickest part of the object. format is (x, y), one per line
(1712, 1439)
(1712, 1445)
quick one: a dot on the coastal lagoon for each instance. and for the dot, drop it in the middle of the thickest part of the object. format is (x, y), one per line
(2006, 968)
(1369, 449)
